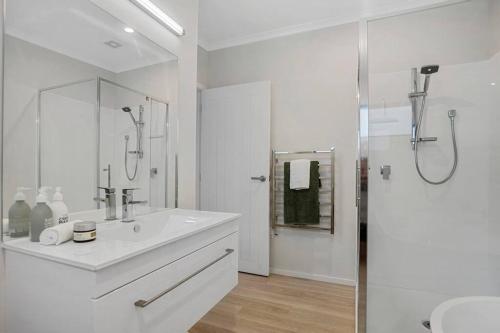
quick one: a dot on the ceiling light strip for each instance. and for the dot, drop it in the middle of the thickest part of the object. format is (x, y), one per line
(160, 16)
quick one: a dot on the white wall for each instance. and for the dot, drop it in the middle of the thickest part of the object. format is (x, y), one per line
(495, 22)
(2, 257)
(185, 48)
(313, 77)
(426, 243)
(202, 67)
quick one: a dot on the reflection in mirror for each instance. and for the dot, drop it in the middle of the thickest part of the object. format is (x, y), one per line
(83, 91)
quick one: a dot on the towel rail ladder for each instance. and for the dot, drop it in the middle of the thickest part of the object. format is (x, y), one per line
(277, 160)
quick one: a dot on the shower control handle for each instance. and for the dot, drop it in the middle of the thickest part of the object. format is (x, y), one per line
(260, 178)
(385, 171)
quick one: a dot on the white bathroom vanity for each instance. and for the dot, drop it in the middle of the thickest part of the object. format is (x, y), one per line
(161, 273)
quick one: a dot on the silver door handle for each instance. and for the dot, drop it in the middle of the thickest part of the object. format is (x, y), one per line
(261, 178)
(143, 303)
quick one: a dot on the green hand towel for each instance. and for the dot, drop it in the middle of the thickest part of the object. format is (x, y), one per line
(302, 206)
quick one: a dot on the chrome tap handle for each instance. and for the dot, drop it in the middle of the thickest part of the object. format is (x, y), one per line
(107, 190)
(110, 201)
(128, 204)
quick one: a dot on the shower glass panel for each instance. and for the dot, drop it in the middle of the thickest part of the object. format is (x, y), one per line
(118, 142)
(159, 152)
(67, 155)
(83, 131)
(430, 243)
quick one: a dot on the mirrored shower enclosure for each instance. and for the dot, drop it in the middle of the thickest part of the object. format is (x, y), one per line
(422, 242)
(106, 132)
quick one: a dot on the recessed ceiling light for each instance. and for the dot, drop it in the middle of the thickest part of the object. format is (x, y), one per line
(159, 15)
(493, 83)
(129, 30)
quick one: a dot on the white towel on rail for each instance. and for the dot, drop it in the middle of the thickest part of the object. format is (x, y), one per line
(300, 171)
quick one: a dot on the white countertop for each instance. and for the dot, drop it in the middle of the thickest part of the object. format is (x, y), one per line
(117, 241)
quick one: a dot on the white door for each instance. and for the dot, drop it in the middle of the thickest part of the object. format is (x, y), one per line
(235, 157)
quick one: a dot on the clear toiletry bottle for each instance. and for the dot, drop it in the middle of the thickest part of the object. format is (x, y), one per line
(41, 216)
(19, 215)
(59, 208)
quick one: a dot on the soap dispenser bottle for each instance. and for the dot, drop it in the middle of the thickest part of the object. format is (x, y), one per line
(19, 215)
(59, 208)
(41, 216)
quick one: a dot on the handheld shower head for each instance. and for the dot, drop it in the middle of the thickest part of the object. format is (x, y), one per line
(428, 71)
(128, 110)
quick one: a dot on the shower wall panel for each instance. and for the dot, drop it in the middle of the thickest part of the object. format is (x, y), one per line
(427, 243)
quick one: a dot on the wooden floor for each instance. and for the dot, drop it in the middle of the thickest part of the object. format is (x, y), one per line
(280, 304)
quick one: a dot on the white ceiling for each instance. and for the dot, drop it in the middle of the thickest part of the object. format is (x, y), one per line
(225, 23)
(79, 29)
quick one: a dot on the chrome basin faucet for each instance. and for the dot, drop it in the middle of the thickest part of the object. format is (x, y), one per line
(109, 198)
(128, 204)
(110, 202)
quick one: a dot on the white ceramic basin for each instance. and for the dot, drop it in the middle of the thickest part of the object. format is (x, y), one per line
(99, 215)
(147, 227)
(467, 315)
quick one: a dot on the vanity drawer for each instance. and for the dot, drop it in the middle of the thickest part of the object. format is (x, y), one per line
(179, 294)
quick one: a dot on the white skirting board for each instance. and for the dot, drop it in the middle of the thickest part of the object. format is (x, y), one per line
(315, 277)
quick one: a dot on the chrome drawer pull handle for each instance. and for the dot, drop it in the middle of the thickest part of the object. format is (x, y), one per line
(143, 303)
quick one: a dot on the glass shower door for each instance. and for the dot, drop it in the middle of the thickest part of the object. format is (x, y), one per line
(133, 142)
(430, 243)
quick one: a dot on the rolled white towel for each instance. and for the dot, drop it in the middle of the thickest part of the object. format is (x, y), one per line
(300, 172)
(58, 234)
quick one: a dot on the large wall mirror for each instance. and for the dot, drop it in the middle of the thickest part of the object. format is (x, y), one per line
(89, 102)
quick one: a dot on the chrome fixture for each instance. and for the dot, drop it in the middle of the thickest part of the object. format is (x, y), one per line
(128, 204)
(109, 198)
(385, 171)
(327, 193)
(426, 324)
(142, 303)
(418, 99)
(260, 178)
(110, 202)
(139, 125)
